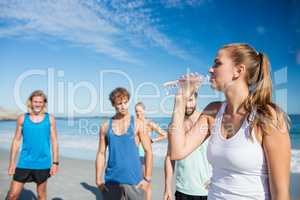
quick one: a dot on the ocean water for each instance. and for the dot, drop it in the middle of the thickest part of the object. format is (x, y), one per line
(78, 138)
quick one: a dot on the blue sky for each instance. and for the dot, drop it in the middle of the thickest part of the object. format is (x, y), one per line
(138, 45)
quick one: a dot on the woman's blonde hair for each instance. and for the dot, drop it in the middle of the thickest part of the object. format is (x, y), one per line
(259, 81)
(140, 104)
(35, 93)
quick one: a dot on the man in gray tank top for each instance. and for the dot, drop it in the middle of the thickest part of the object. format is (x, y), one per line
(192, 176)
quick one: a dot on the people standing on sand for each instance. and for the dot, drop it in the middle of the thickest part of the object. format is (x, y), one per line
(192, 172)
(249, 146)
(122, 134)
(150, 127)
(36, 131)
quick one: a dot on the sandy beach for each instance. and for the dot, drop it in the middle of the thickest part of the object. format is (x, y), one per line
(75, 181)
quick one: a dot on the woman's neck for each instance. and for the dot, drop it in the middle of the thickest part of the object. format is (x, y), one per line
(235, 97)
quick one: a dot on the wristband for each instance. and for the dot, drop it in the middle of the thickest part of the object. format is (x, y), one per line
(147, 180)
(55, 163)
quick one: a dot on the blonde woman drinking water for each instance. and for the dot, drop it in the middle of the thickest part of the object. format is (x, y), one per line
(249, 145)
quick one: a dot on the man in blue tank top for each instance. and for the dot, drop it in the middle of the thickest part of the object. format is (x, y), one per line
(122, 135)
(192, 176)
(36, 130)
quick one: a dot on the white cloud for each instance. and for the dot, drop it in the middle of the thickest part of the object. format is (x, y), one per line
(181, 3)
(163, 41)
(109, 27)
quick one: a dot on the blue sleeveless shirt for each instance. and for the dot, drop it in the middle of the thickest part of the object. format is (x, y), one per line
(35, 153)
(124, 165)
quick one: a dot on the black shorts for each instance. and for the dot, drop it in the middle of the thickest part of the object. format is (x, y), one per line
(31, 175)
(181, 196)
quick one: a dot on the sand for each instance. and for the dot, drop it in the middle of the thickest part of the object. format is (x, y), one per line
(76, 181)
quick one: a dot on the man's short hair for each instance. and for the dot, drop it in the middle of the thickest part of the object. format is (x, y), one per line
(118, 94)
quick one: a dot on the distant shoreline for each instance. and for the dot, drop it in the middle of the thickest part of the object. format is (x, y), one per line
(4, 118)
(12, 116)
(8, 117)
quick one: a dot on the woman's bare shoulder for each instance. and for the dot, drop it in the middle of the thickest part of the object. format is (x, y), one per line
(212, 109)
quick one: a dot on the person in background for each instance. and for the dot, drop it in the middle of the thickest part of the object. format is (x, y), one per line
(150, 127)
(192, 176)
(122, 134)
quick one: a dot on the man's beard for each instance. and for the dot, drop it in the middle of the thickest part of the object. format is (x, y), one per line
(187, 114)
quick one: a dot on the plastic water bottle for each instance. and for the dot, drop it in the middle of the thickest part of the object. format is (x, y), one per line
(172, 87)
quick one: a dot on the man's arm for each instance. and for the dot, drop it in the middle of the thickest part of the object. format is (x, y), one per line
(54, 144)
(101, 155)
(169, 167)
(15, 146)
(169, 171)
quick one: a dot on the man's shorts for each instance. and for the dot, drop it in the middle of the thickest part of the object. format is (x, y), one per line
(123, 192)
(31, 175)
(182, 196)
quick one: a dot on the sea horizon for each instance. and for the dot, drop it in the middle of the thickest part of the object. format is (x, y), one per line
(78, 138)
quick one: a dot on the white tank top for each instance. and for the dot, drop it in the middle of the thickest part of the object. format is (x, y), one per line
(239, 169)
